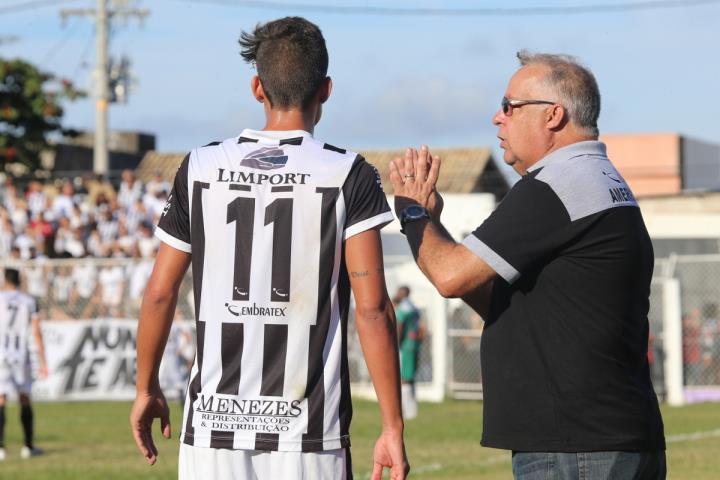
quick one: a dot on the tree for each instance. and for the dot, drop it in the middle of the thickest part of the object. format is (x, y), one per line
(30, 111)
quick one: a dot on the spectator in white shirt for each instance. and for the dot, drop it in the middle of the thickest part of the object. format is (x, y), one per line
(135, 215)
(157, 184)
(130, 189)
(125, 241)
(63, 234)
(147, 243)
(63, 203)
(36, 198)
(107, 226)
(19, 215)
(25, 242)
(95, 246)
(6, 237)
(74, 245)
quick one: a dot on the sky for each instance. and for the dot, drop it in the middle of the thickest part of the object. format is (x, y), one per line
(399, 80)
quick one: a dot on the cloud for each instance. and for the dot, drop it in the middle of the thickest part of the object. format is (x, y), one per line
(434, 110)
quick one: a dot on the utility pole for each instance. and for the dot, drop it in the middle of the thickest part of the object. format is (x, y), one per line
(101, 161)
(103, 18)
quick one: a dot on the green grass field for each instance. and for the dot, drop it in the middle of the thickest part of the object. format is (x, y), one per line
(93, 441)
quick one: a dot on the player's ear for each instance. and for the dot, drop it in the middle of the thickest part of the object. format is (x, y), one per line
(325, 90)
(257, 89)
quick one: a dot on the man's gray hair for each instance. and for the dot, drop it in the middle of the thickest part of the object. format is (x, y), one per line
(574, 86)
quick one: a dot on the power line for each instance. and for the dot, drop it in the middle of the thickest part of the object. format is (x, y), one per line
(478, 12)
(82, 63)
(19, 7)
(60, 44)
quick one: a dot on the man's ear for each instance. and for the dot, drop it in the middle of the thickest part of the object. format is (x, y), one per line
(257, 89)
(557, 117)
(325, 90)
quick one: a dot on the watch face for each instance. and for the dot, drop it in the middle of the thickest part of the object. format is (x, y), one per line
(414, 211)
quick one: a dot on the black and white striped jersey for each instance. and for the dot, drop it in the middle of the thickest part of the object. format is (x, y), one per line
(16, 313)
(265, 216)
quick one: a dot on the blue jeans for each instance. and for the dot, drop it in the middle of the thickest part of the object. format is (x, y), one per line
(589, 466)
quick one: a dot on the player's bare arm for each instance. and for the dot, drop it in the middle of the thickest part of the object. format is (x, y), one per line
(375, 319)
(156, 316)
(453, 269)
(39, 345)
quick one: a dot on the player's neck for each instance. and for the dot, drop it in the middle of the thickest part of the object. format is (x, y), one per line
(280, 120)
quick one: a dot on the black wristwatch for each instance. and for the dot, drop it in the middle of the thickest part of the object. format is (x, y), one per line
(413, 213)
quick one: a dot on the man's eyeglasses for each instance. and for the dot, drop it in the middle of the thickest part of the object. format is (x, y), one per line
(508, 105)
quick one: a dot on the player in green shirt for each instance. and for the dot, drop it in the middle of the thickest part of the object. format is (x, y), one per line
(410, 336)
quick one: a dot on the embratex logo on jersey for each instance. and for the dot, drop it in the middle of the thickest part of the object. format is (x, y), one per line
(266, 158)
(255, 311)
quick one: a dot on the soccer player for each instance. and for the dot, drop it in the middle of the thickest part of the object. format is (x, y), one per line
(19, 320)
(410, 337)
(279, 227)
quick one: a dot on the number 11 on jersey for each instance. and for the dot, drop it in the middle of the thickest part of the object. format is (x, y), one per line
(279, 214)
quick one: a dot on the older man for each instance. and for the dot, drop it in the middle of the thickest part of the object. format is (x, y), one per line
(561, 272)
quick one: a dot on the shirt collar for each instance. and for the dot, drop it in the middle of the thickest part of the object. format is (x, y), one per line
(589, 147)
(274, 136)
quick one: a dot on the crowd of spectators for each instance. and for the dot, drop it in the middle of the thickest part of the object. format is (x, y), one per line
(99, 235)
(80, 217)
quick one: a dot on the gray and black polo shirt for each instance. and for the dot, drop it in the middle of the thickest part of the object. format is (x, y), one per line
(564, 350)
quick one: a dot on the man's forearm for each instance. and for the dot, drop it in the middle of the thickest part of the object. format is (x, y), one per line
(434, 250)
(376, 330)
(156, 315)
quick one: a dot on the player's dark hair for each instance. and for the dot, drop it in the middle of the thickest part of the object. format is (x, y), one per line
(291, 60)
(402, 293)
(12, 276)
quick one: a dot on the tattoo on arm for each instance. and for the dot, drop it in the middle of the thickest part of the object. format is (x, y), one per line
(367, 273)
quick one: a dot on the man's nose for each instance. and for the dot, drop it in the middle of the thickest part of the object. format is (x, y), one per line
(498, 117)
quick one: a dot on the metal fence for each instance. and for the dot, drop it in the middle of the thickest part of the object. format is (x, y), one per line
(699, 278)
(72, 289)
(683, 343)
(465, 328)
(683, 348)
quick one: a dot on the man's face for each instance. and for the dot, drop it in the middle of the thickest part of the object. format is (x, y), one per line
(521, 130)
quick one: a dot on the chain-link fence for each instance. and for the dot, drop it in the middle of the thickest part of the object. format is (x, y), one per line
(401, 270)
(465, 328)
(107, 289)
(699, 329)
(656, 349)
(73, 289)
(699, 277)
(450, 353)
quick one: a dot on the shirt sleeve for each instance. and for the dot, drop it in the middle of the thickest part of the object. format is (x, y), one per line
(174, 225)
(367, 206)
(529, 224)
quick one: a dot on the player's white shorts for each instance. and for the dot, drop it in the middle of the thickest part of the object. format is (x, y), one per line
(15, 378)
(198, 463)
